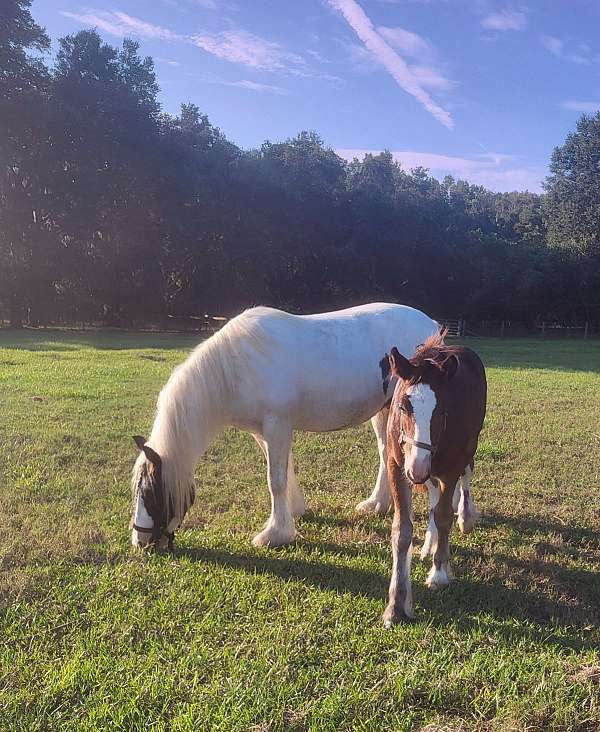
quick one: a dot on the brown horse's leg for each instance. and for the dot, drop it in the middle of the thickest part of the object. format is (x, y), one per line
(400, 596)
(441, 574)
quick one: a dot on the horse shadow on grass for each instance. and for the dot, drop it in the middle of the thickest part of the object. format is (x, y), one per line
(553, 604)
(575, 536)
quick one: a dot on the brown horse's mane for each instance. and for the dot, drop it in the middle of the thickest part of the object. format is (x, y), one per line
(433, 351)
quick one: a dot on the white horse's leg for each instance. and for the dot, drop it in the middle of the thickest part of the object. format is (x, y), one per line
(467, 512)
(380, 499)
(431, 537)
(456, 497)
(280, 527)
(294, 493)
(261, 443)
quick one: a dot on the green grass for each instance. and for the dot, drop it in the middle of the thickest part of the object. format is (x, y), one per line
(221, 636)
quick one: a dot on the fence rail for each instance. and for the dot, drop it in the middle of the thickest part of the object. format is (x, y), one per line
(459, 327)
(454, 327)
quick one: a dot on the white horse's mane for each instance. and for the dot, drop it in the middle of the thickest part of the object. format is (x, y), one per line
(191, 406)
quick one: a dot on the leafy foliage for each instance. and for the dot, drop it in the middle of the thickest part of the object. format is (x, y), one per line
(573, 206)
(113, 211)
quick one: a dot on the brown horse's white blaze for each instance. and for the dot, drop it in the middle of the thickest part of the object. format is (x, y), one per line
(436, 415)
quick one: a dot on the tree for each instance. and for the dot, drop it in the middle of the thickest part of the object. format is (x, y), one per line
(25, 232)
(573, 207)
(112, 210)
(573, 190)
(20, 73)
(108, 182)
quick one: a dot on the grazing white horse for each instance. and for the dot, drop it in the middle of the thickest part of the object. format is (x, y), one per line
(269, 373)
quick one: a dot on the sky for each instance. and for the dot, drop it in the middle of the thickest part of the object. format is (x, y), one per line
(479, 89)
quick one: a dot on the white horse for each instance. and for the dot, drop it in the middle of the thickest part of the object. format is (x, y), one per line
(268, 372)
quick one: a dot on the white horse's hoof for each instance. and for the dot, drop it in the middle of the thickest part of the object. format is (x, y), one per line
(274, 536)
(370, 506)
(437, 578)
(390, 618)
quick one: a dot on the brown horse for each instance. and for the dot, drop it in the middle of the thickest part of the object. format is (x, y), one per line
(436, 415)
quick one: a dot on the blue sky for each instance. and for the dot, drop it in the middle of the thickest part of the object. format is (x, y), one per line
(481, 89)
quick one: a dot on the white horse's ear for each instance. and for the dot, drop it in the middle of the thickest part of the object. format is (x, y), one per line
(152, 456)
(400, 365)
(139, 441)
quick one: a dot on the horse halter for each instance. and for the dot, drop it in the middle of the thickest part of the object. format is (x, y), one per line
(157, 534)
(425, 445)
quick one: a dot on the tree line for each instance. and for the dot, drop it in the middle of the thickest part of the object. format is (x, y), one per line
(114, 212)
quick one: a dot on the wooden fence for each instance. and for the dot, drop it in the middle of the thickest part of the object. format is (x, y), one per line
(459, 327)
(454, 327)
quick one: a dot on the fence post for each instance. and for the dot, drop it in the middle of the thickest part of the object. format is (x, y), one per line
(586, 329)
(502, 329)
(543, 330)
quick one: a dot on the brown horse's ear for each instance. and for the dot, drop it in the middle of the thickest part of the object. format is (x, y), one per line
(450, 367)
(399, 365)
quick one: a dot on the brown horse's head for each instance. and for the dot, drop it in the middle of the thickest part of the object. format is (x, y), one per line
(419, 400)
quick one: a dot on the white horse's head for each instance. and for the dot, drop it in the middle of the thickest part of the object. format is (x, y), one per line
(154, 518)
(420, 401)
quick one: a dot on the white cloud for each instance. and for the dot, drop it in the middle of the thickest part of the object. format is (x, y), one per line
(578, 59)
(554, 45)
(317, 56)
(140, 28)
(235, 46)
(255, 86)
(496, 158)
(121, 25)
(245, 48)
(410, 43)
(580, 106)
(204, 4)
(422, 52)
(430, 78)
(485, 172)
(504, 20)
(388, 58)
(107, 24)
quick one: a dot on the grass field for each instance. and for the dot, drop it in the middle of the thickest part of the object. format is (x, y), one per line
(222, 636)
